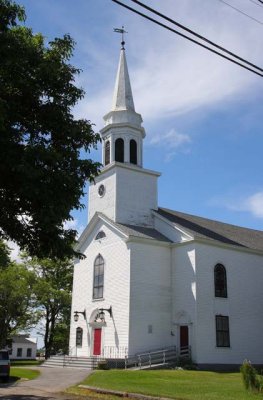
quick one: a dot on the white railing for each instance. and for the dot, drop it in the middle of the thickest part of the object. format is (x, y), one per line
(162, 356)
(114, 352)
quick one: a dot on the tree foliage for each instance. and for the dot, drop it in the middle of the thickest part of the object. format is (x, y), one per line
(16, 301)
(42, 176)
(52, 291)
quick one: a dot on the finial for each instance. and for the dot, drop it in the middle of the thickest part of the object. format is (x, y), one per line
(122, 31)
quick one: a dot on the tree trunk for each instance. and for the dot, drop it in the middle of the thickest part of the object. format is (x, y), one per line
(46, 337)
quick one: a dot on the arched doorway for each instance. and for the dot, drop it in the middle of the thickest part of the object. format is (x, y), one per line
(96, 334)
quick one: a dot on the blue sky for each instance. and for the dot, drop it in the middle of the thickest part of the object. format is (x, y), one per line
(202, 114)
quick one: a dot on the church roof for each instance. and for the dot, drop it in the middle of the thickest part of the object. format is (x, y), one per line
(142, 232)
(138, 231)
(214, 230)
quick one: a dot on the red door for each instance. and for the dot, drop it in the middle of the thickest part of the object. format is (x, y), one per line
(96, 342)
(184, 340)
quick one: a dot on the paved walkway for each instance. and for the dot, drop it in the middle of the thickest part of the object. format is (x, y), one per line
(47, 386)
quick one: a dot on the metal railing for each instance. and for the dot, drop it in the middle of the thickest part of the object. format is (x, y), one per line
(150, 358)
(185, 352)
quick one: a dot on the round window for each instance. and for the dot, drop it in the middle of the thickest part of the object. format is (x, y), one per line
(101, 190)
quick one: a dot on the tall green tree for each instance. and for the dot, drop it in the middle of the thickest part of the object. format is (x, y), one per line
(42, 175)
(17, 310)
(52, 291)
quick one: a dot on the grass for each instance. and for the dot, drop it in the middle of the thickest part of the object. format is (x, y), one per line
(180, 385)
(23, 373)
(26, 362)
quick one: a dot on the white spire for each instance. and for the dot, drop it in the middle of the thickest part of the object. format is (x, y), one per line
(122, 97)
(122, 110)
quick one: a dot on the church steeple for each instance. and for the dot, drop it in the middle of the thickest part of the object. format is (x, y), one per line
(123, 133)
(122, 97)
(124, 191)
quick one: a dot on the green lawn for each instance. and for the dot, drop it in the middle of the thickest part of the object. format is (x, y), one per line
(26, 362)
(19, 373)
(181, 385)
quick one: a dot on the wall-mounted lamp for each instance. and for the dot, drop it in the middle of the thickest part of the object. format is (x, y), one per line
(101, 314)
(76, 315)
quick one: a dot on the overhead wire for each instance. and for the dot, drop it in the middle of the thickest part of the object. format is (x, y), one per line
(195, 33)
(254, 2)
(191, 39)
(241, 12)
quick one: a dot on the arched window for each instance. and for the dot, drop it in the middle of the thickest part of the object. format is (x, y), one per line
(79, 335)
(133, 152)
(220, 281)
(107, 152)
(100, 235)
(119, 150)
(98, 279)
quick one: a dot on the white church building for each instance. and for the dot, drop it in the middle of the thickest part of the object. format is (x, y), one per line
(154, 278)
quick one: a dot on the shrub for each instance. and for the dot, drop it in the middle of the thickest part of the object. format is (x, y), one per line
(251, 379)
(103, 365)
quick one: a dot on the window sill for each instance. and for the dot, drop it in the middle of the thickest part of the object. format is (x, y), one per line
(95, 300)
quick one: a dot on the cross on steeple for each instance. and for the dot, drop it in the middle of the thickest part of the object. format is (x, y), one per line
(122, 31)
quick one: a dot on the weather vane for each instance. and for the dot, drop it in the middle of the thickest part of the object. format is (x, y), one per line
(122, 31)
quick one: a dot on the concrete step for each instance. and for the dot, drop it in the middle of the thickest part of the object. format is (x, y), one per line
(71, 362)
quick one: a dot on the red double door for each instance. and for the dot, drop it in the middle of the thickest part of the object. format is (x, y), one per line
(97, 342)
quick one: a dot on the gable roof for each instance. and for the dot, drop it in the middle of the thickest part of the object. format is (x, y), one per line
(24, 339)
(128, 231)
(214, 230)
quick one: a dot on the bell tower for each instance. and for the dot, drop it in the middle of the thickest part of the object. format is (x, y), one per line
(124, 191)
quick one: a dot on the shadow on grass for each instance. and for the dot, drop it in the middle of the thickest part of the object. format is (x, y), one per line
(25, 397)
(26, 363)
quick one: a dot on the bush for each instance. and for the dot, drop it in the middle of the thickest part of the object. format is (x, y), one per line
(251, 379)
(103, 365)
(186, 363)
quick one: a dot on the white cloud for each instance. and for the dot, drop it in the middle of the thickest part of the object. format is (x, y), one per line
(252, 204)
(171, 76)
(172, 141)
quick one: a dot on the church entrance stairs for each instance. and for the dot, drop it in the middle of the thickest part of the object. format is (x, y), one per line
(65, 361)
(149, 360)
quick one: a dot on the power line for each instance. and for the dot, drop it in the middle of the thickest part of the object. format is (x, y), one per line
(241, 12)
(193, 40)
(254, 2)
(260, 1)
(195, 33)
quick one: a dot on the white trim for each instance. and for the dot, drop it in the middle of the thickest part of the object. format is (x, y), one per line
(136, 239)
(127, 166)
